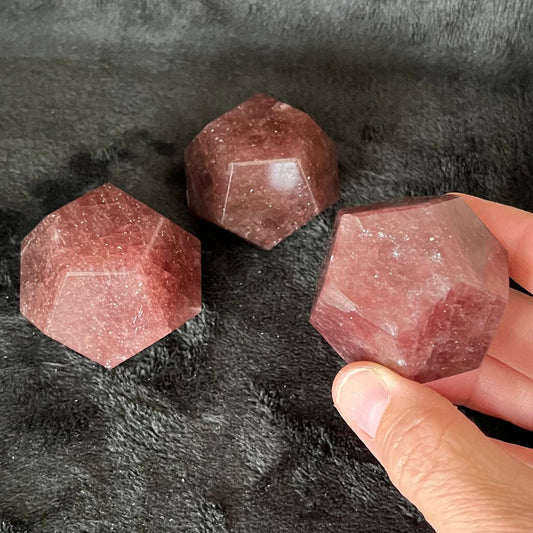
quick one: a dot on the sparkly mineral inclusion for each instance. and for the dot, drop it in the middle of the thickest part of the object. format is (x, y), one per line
(108, 276)
(419, 286)
(261, 170)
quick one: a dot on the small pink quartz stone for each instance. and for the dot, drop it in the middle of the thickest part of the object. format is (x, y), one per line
(419, 286)
(108, 276)
(261, 170)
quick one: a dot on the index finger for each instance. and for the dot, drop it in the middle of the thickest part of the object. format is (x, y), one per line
(514, 229)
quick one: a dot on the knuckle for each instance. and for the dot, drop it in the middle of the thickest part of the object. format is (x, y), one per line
(418, 452)
(447, 473)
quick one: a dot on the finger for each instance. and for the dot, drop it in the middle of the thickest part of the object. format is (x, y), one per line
(494, 389)
(513, 342)
(514, 229)
(523, 454)
(461, 480)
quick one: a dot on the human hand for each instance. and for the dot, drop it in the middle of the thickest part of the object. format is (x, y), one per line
(461, 480)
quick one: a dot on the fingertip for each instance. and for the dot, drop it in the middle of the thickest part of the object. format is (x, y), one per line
(361, 397)
(345, 373)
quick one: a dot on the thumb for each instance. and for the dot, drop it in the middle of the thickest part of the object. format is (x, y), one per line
(457, 477)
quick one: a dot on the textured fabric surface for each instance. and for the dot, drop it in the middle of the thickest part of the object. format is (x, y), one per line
(227, 424)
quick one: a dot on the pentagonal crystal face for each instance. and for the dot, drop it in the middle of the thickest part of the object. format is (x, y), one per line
(417, 286)
(261, 170)
(107, 276)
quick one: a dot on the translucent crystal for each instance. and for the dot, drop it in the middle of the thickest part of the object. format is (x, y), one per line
(419, 286)
(108, 276)
(261, 170)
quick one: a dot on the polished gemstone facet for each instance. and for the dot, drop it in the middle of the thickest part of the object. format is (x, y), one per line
(419, 286)
(108, 276)
(261, 170)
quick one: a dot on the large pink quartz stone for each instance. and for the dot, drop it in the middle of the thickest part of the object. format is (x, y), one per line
(418, 286)
(261, 170)
(108, 276)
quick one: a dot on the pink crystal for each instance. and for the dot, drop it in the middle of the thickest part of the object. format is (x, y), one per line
(418, 286)
(108, 276)
(261, 170)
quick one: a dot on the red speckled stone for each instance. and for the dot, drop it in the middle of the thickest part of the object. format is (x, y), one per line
(261, 170)
(108, 276)
(418, 286)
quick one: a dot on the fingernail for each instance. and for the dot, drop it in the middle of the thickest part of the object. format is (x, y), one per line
(361, 398)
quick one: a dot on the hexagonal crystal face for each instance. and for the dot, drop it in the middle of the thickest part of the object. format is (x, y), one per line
(418, 286)
(108, 276)
(261, 170)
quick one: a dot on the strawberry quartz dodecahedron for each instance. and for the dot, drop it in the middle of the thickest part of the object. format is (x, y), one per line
(108, 276)
(419, 286)
(261, 171)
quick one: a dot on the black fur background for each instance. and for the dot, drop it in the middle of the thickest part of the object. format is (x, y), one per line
(227, 424)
